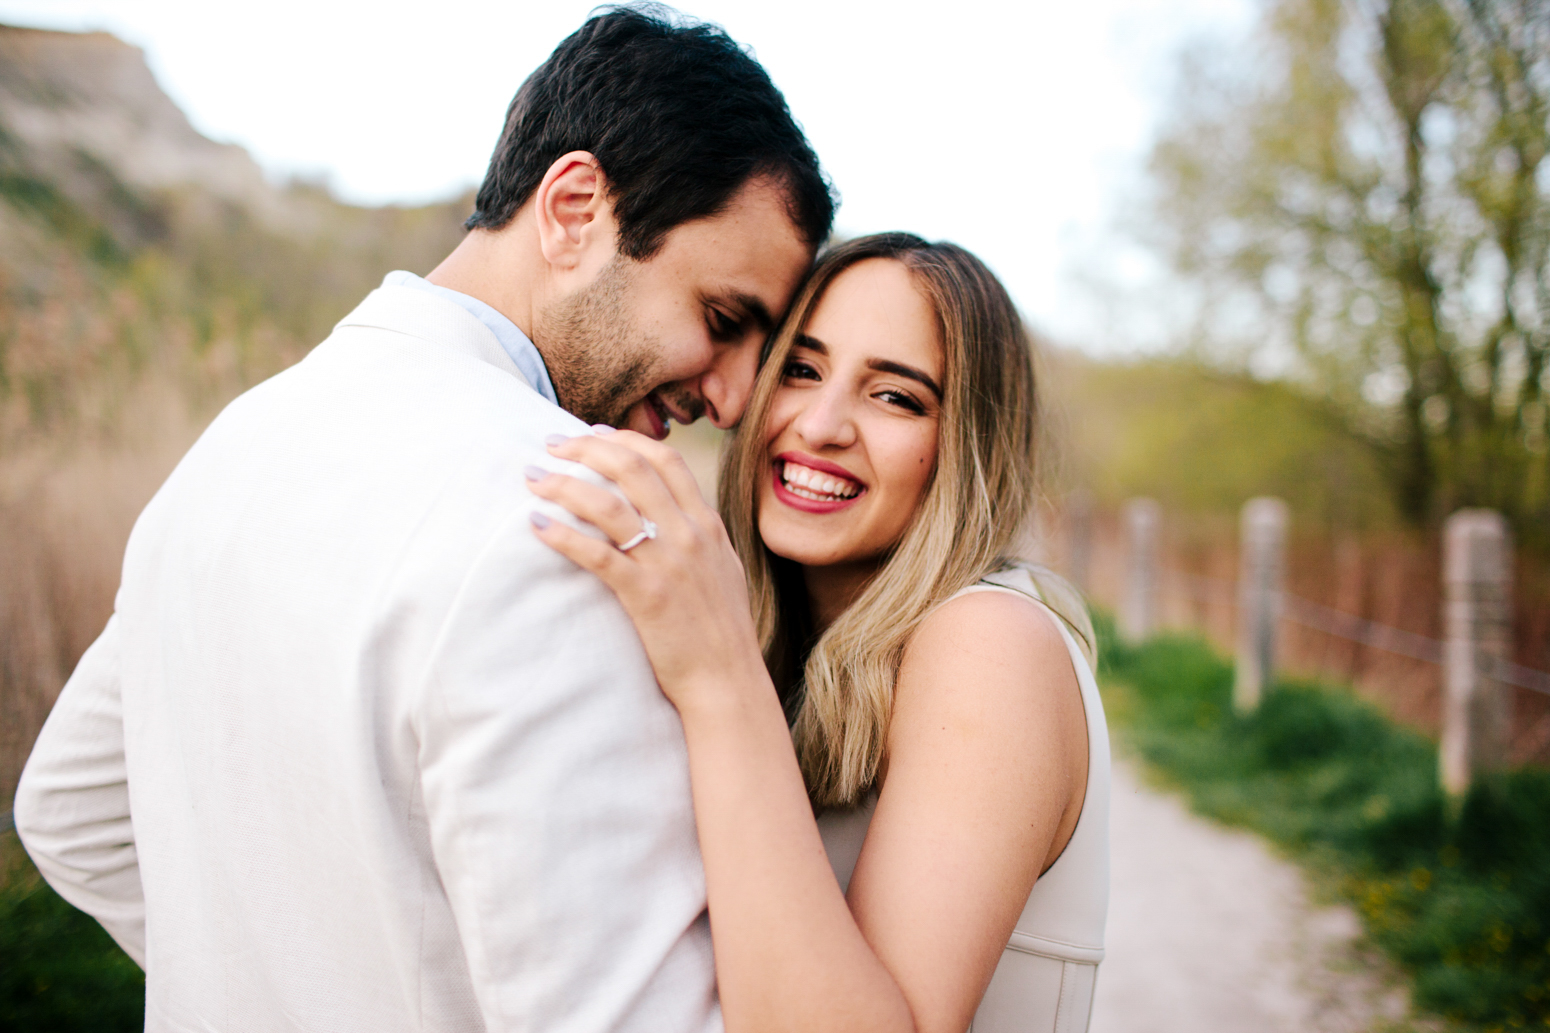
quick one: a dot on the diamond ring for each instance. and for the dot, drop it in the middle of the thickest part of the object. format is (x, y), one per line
(648, 531)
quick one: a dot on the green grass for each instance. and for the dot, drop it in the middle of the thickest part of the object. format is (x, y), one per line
(1457, 892)
(59, 971)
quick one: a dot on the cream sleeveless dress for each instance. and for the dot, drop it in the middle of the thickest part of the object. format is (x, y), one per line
(1044, 981)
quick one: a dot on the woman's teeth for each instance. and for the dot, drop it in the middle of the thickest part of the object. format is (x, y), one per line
(820, 487)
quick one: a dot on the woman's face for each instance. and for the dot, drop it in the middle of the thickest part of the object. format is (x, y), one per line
(852, 434)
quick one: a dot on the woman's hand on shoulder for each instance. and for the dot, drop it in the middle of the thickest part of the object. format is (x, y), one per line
(683, 588)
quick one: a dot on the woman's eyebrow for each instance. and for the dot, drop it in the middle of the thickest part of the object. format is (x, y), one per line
(899, 369)
(811, 344)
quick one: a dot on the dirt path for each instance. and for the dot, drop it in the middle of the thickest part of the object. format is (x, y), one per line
(1211, 932)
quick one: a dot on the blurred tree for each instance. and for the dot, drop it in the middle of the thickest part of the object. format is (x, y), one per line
(1200, 440)
(1364, 203)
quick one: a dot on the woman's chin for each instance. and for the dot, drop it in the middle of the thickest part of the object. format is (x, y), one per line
(790, 543)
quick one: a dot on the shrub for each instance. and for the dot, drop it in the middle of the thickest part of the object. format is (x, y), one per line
(59, 971)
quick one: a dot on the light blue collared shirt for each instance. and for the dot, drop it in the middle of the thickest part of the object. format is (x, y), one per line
(523, 352)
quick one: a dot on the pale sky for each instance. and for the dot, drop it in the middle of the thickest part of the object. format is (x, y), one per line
(1014, 129)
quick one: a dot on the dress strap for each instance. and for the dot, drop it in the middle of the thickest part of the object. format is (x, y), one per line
(1019, 580)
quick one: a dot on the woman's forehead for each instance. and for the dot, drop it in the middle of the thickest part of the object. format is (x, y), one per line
(876, 309)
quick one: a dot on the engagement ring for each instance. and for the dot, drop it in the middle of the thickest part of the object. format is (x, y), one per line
(648, 531)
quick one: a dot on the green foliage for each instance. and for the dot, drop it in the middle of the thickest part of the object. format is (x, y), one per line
(60, 214)
(1362, 187)
(1201, 440)
(1458, 894)
(59, 971)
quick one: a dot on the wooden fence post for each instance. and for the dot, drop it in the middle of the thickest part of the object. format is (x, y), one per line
(1262, 552)
(1477, 622)
(1079, 538)
(1138, 613)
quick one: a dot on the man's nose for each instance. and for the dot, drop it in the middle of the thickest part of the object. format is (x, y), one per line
(728, 384)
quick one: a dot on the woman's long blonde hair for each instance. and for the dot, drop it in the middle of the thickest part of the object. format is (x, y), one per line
(839, 689)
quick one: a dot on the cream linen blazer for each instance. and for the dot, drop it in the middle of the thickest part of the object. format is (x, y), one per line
(358, 752)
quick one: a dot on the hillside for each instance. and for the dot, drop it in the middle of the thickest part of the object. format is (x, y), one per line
(83, 114)
(161, 245)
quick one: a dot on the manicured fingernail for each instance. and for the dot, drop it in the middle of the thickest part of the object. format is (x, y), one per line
(539, 520)
(602, 428)
(555, 439)
(534, 473)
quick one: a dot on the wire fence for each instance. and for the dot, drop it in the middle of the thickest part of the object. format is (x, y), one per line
(1356, 629)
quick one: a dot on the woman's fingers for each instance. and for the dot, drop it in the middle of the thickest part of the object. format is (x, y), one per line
(621, 450)
(600, 558)
(630, 472)
(669, 464)
(599, 507)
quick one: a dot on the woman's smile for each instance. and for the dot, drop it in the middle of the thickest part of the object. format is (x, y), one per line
(814, 485)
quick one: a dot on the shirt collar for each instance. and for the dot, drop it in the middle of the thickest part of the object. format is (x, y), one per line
(524, 353)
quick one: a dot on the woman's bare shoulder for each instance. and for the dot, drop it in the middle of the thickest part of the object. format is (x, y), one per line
(990, 630)
(988, 718)
(994, 661)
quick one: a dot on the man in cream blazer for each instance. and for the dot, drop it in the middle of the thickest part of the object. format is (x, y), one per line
(356, 751)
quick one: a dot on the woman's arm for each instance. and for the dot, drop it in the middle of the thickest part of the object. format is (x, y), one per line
(789, 956)
(978, 784)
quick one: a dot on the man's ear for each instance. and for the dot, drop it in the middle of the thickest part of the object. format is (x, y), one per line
(576, 228)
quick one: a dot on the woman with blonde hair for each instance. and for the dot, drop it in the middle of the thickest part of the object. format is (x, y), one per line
(896, 748)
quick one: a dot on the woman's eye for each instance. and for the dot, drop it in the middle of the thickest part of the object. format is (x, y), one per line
(799, 370)
(903, 401)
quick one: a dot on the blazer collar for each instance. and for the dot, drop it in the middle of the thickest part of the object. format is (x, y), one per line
(436, 320)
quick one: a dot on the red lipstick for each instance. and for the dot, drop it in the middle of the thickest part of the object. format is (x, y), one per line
(806, 505)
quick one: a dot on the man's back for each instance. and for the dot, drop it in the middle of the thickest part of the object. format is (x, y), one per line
(382, 747)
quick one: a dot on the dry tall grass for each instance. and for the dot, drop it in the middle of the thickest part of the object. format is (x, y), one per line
(66, 509)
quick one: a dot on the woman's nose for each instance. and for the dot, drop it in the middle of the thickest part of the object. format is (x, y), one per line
(826, 421)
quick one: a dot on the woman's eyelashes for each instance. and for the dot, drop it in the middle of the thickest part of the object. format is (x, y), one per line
(902, 399)
(796, 369)
(799, 369)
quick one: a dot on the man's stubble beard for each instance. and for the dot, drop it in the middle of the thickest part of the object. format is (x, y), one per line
(600, 361)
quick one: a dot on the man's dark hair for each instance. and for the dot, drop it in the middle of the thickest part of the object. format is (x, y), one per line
(678, 116)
